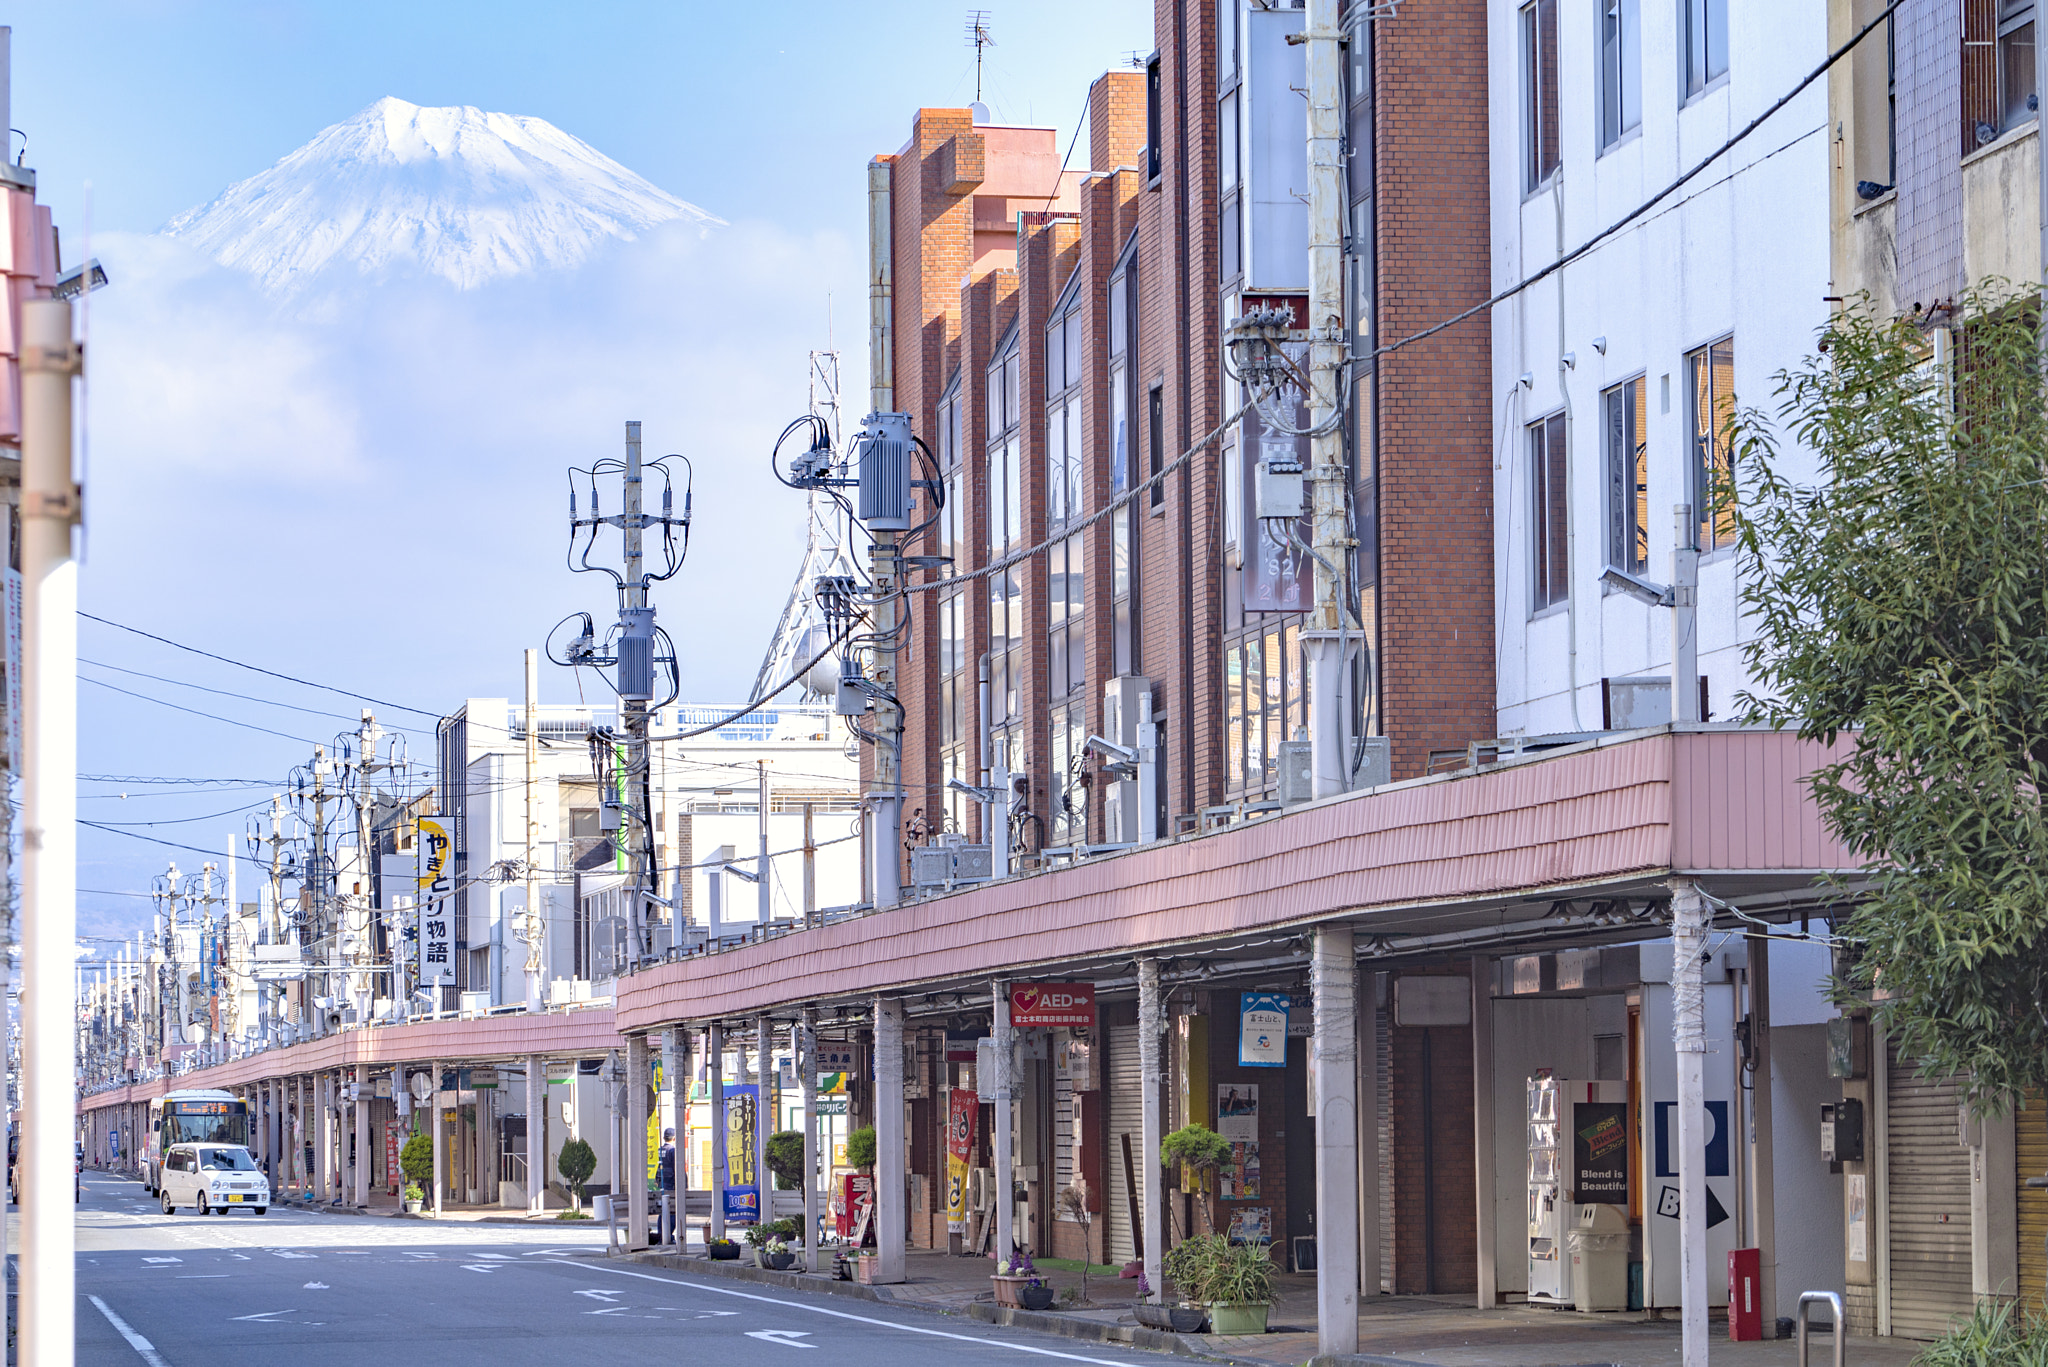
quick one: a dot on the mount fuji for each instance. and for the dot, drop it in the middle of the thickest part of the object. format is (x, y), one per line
(453, 192)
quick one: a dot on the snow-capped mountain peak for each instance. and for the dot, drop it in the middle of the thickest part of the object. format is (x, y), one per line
(455, 192)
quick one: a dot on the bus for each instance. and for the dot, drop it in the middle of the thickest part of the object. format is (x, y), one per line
(192, 1116)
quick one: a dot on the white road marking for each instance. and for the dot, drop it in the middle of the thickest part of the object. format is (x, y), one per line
(480, 1267)
(264, 1317)
(292, 1253)
(501, 1257)
(314, 1286)
(163, 1260)
(862, 1319)
(201, 1276)
(602, 1295)
(608, 1310)
(786, 1337)
(136, 1341)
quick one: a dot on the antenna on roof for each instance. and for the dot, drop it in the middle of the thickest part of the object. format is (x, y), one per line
(978, 37)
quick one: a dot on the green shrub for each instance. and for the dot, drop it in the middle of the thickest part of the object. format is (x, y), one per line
(1194, 1146)
(1209, 1268)
(416, 1159)
(860, 1148)
(1995, 1336)
(576, 1162)
(786, 1158)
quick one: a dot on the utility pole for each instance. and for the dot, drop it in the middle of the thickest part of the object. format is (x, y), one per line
(534, 929)
(885, 806)
(363, 903)
(765, 903)
(1327, 640)
(810, 871)
(636, 690)
(51, 505)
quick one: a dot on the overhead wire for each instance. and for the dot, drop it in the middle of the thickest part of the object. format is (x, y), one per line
(245, 697)
(228, 721)
(258, 669)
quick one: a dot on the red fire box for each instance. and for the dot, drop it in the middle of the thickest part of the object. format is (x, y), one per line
(1745, 1295)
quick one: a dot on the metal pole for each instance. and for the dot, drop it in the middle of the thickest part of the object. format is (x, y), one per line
(1333, 1059)
(1763, 1153)
(434, 1119)
(885, 809)
(535, 930)
(679, 1110)
(890, 1178)
(764, 1115)
(536, 1135)
(362, 1135)
(1326, 642)
(807, 1074)
(1685, 648)
(765, 905)
(1689, 926)
(633, 709)
(1002, 1121)
(50, 507)
(721, 1157)
(1151, 1122)
(637, 1156)
(810, 868)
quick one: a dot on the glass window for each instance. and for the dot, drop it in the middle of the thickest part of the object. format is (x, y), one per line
(1073, 346)
(1549, 559)
(1621, 69)
(1710, 375)
(2016, 92)
(1077, 495)
(1625, 426)
(1056, 463)
(1226, 142)
(1706, 43)
(1539, 91)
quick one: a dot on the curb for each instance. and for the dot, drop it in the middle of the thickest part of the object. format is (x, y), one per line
(789, 1281)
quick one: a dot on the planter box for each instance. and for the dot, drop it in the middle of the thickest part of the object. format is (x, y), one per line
(1036, 1297)
(724, 1254)
(1176, 1319)
(864, 1270)
(1009, 1290)
(780, 1262)
(1237, 1319)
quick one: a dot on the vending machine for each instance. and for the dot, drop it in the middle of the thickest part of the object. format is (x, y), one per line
(1578, 1156)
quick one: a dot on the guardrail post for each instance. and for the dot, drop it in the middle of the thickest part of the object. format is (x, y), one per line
(1834, 1304)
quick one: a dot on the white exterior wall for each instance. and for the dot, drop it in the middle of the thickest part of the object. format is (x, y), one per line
(1741, 249)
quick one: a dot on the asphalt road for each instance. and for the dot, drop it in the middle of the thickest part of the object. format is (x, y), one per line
(314, 1289)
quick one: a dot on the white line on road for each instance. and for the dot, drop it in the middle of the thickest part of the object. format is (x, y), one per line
(264, 1316)
(135, 1340)
(786, 1337)
(860, 1319)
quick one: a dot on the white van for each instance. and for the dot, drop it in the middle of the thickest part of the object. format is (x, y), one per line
(210, 1177)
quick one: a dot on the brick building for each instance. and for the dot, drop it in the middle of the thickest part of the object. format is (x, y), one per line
(1056, 336)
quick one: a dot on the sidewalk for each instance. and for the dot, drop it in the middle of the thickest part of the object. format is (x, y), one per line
(1394, 1331)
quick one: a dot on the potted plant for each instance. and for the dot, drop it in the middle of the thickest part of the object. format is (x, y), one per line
(776, 1254)
(576, 1162)
(1012, 1276)
(757, 1237)
(1035, 1295)
(1240, 1290)
(723, 1250)
(1190, 1265)
(1194, 1153)
(416, 1161)
(865, 1263)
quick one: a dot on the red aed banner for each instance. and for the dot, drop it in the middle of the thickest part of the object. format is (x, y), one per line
(1052, 1004)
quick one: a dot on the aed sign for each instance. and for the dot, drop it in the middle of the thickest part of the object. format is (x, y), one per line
(1063, 1004)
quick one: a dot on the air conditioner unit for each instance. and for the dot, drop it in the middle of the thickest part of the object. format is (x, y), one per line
(1129, 805)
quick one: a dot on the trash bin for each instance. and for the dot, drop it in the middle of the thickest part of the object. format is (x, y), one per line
(1598, 1247)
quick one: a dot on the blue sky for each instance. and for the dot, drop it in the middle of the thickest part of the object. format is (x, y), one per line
(311, 505)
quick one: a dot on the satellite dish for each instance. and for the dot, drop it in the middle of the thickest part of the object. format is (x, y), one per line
(421, 1086)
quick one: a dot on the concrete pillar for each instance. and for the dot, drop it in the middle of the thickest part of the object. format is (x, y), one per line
(1333, 1060)
(536, 1133)
(1152, 1124)
(806, 1053)
(1002, 1090)
(635, 1175)
(764, 1112)
(1763, 1199)
(295, 1135)
(679, 1108)
(323, 1151)
(1485, 1178)
(440, 1142)
(363, 1154)
(891, 1153)
(1690, 922)
(721, 1160)
(1370, 1215)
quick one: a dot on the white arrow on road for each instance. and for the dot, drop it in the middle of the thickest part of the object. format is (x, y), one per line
(264, 1317)
(786, 1337)
(601, 1295)
(481, 1267)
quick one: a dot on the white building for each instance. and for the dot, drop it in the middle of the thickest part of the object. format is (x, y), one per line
(706, 795)
(1612, 374)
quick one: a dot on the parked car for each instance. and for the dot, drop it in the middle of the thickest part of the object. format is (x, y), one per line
(210, 1177)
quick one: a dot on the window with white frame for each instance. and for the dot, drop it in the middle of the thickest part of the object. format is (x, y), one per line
(1539, 92)
(1705, 41)
(1550, 555)
(1621, 69)
(1624, 427)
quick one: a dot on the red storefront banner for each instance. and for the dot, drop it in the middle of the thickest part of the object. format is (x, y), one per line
(1052, 1004)
(960, 1111)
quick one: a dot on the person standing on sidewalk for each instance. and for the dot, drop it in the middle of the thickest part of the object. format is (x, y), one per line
(665, 1182)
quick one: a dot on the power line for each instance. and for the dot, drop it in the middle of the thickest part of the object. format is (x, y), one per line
(185, 820)
(240, 664)
(245, 697)
(172, 844)
(229, 721)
